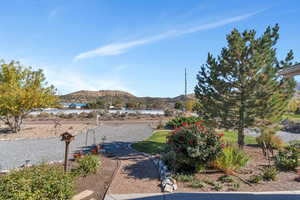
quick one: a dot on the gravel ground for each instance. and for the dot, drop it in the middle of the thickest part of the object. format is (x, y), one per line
(14, 153)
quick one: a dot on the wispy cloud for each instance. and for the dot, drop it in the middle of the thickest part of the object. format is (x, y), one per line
(54, 12)
(122, 47)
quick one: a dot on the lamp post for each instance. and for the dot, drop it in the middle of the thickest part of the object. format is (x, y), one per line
(67, 138)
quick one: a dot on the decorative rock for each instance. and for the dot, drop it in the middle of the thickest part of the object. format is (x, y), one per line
(168, 188)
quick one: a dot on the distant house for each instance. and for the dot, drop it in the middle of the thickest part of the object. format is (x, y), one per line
(65, 105)
(77, 105)
(291, 71)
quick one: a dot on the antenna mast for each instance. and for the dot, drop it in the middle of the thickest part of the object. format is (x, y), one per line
(185, 83)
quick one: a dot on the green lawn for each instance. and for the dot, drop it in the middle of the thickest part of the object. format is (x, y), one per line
(157, 142)
(291, 116)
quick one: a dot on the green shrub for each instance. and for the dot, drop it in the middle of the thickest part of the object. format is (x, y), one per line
(226, 179)
(184, 177)
(255, 178)
(87, 165)
(270, 173)
(197, 184)
(217, 187)
(231, 159)
(44, 182)
(194, 146)
(234, 186)
(287, 159)
(179, 121)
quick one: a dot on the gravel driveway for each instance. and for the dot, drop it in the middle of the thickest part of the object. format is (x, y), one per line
(14, 153)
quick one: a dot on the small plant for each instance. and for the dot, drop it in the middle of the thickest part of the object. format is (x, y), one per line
(287, 159)
(255, 179)
(226, 179)
(270, 173)
(231, 159)
(197, 184)
(234, 186)
(87, 165)
(217, 187)
(184, 177)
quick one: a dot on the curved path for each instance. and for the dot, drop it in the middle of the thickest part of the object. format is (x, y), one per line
(14, 153)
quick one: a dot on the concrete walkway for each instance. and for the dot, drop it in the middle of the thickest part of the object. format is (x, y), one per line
(295, 195)
(14, 153)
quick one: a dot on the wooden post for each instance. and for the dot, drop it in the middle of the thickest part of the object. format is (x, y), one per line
(66, 156)
(67, 138)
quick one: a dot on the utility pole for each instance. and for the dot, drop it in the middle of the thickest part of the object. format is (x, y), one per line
(185, 83)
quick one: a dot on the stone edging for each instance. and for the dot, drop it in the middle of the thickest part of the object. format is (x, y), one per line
(168, 184)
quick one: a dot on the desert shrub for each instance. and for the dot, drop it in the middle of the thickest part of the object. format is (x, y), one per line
(269, 139)
(178, 121)
(255, 178)
(44, 115)
(160, 125)
(184, 177)
(197, 184)
(92, 114)
(39, 182)
(287, 159)
(194, 146)
(83, 115)
(231, 159)
(269, 173)
(87, 165)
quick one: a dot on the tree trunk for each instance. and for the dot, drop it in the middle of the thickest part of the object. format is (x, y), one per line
(14, 123)
(241, 137)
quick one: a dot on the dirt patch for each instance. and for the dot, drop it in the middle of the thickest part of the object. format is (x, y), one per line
(97, 182)
(45, 130)
(285, 180)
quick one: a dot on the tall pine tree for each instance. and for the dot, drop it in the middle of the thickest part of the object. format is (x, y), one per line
(242, 86)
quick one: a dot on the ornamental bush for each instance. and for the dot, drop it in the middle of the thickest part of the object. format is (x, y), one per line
(193, 146)
(231, 159)
(45, 182)
(178, 121)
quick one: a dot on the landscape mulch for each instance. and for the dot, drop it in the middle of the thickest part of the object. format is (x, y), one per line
(285, 180)
(98, 182)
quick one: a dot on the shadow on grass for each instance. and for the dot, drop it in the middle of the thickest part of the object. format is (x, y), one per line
(150, 147)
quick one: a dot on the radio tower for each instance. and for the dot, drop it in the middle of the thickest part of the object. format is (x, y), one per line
(185, 83)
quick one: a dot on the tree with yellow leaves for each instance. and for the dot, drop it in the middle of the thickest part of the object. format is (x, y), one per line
(22, 90)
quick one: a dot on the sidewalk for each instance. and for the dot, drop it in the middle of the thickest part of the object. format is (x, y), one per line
(290, 195)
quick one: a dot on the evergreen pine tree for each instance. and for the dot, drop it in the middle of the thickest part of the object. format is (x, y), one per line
(242, 86)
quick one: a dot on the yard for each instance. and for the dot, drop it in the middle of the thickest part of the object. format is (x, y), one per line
(257, 175)
(157, 142)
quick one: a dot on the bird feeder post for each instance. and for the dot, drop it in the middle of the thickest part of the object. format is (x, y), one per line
(67, 138)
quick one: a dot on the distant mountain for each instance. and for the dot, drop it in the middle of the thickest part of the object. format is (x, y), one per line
(86, 96)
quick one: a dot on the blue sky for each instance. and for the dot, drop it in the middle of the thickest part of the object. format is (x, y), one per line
(141, 46)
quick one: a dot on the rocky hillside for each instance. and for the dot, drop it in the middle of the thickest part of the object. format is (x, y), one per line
(111, 96)
(85, 96)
